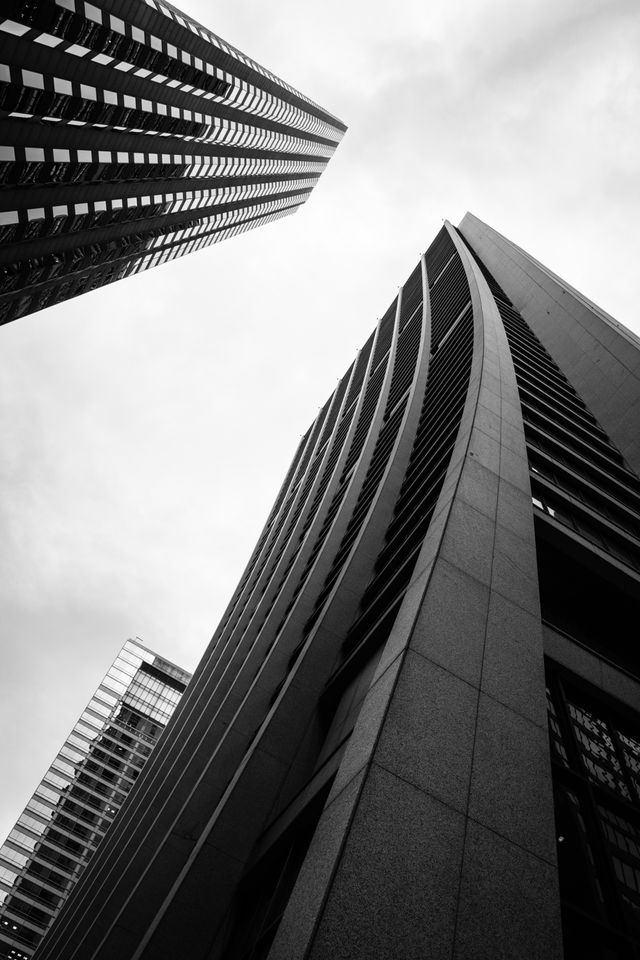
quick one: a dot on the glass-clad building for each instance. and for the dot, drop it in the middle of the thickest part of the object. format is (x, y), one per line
(81, 793)
(132, 135)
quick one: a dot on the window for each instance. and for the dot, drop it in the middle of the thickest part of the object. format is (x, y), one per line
(595, 750)
(62, 86)
(31, 79)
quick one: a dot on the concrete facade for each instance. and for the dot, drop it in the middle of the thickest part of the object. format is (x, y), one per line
(599, 356)
(361, 766)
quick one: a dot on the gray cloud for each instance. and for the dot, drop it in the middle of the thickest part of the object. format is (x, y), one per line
(145, 427)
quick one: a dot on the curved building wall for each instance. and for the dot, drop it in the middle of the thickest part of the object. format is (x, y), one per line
(599, 356)
(440, 816)
(361, 764)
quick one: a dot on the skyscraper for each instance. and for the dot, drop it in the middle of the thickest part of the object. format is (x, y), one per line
(81, 793)
(133, 135)
(367, 762)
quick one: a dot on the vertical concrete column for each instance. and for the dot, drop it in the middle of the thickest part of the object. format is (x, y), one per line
(438, 837)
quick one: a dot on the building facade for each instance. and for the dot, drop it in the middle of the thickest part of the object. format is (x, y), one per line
(415, 732)
(81, 793)
(133, 135)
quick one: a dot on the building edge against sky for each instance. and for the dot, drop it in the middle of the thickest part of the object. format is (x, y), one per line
(415, 731)
(82, 791)
(133, 135)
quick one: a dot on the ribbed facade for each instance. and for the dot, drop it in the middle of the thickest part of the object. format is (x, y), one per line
(362, 766)
(81, 793)
(133, 135)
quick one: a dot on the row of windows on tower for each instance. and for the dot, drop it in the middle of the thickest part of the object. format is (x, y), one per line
(126, 47)
(228, 224)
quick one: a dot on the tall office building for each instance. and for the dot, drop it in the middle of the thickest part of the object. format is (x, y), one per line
(132, 135)
(415, 732)
(81, 794)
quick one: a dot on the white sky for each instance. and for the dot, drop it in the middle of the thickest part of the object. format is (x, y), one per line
(145, 428)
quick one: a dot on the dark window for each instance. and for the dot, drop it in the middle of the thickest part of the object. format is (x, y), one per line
(595, 751)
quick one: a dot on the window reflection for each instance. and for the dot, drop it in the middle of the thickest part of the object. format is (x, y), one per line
(596, 758)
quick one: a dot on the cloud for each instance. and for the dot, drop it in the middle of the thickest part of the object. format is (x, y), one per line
(146, 427)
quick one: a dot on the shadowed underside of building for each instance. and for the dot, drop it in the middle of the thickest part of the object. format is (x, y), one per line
(132, 135)
(415, 732)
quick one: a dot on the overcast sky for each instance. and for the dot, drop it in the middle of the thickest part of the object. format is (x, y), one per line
(146, 427)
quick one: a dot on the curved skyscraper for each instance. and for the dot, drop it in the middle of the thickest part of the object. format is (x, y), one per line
(415, 732)
(132, 135)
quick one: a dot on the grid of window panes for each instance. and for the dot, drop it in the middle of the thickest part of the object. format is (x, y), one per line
(595, 751)
(130, 123)
(152, 697)
(80, 794)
